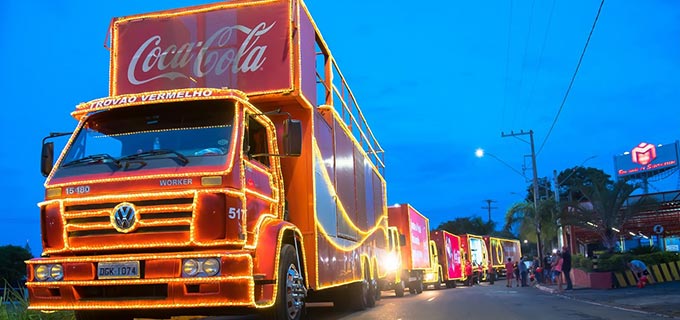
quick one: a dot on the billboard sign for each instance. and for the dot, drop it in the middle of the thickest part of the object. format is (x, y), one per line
(453, 259)
(647, 159)
(234, 46)
(419, 239)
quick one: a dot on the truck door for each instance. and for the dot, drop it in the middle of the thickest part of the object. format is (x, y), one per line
(259, 175)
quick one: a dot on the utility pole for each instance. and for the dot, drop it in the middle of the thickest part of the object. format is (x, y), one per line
(537, 220)
(489, 207)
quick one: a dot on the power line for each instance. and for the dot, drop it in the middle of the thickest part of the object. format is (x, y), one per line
(507, 62)
(540, 56)
(573, 77)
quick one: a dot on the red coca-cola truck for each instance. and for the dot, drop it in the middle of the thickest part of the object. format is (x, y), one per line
(217, 176)
(450, 253)
(500, 249)
(418, 265)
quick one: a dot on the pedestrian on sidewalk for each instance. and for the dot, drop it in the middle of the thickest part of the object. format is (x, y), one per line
(566, 267)
(509, 272)
(557, 269)
(538, 271)
(547, 269)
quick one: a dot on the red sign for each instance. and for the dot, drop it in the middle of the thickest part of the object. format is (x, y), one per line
(452, 247)
(420, 254)
(644, 153)
(238, 47)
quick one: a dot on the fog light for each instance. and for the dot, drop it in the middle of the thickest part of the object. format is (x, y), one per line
(57, 272)
(42, 272)
(190, 267)
(211, 266)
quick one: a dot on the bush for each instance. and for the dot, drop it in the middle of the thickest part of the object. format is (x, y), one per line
(581, 262)
(14, 304)
(644, 250)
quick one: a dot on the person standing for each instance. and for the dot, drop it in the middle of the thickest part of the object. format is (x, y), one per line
(509, 272)
(491, 272)
(468, 273)
(547, 269)
(523, 272)
(566, 267)
(557, 269)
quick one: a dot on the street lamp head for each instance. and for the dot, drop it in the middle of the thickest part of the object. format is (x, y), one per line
(479, 152)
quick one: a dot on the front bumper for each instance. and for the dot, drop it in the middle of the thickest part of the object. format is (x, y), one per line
(160, 284)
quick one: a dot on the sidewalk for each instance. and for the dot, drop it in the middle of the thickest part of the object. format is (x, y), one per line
(660, 298)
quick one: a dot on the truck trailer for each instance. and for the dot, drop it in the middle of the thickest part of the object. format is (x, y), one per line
(475, 252)
(500, 249)
(219, 175)
(418, 264)
(450, 256)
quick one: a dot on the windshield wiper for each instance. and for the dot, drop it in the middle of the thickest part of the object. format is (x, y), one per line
(94, 158)
(148, 154)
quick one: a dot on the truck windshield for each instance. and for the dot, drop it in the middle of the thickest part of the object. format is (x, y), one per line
(150, 137)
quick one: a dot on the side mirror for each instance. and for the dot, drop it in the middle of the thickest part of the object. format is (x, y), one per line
(47, 158)
(292, 138)
(402, 240)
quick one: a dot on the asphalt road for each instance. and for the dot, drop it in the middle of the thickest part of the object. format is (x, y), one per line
(501, 303)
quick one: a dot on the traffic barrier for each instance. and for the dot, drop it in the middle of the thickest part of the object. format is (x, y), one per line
(674, 271)
(657, 273)
(666, 272)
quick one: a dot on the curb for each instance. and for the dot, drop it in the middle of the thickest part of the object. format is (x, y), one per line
(546, 289)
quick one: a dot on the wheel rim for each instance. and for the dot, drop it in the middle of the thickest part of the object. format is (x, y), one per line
(295, 292)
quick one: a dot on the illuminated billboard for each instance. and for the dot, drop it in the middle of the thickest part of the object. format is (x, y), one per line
(647, 159)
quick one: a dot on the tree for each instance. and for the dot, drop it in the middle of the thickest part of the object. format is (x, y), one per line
(521, 217)
(472, 225)
(12, 266)
(571, 179)
(604, 207)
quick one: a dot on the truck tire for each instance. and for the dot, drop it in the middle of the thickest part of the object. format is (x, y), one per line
(356, 297)
(376, 286)
(440, 282)
(419, 287)
(399, 289)
(290, 299)
(101, 315)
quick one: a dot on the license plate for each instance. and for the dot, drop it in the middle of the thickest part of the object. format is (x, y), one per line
(118, 270)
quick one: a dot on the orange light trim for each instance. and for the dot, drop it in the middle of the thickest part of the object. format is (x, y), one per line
(239, 103)
(184, 11)
(184, 255)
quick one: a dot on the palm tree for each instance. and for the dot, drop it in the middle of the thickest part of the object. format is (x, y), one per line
(521, 216)
(606, 208)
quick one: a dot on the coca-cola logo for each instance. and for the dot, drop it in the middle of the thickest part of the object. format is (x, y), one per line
(219, 54)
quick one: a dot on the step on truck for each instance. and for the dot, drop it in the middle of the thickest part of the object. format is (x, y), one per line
(450, 256)
(418, 265)
(219, 176)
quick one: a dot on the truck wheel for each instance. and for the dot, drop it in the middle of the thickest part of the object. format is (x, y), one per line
(376, 286)
(399, 289)
(419, 287)
(290, 299)
(101, 315)
(440, 282)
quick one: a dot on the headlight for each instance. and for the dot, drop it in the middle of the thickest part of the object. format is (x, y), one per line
(429, 277)
(191, 267)
(391, 262)
(42, 272)
(211, 266)
(57, 272)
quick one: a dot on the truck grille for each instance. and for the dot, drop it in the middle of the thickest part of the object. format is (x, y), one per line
(156, 217)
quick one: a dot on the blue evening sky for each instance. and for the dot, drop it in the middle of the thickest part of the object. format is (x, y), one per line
(435, 79)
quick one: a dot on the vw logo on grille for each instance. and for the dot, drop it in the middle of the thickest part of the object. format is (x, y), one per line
(124, 217)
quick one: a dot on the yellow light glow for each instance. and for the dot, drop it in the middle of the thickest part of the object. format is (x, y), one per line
(211, 181)
(52, 193)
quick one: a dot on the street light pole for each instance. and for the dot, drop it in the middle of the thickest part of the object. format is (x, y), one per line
(537, 220)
